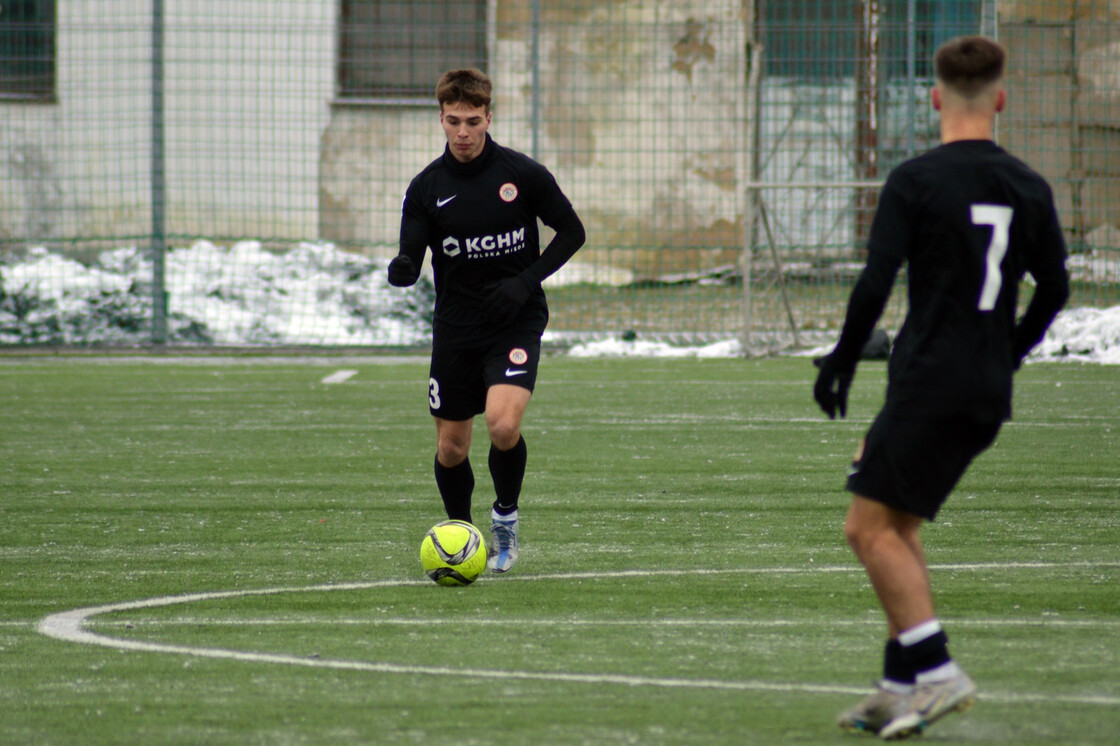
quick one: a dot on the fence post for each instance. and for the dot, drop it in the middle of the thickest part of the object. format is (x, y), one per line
(867, 113)
(535, 64)
(748, 150)
(158, 186)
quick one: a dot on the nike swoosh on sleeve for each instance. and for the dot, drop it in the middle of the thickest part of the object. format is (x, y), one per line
(511, 373)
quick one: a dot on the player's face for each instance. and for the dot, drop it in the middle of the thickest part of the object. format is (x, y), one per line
(465, 127)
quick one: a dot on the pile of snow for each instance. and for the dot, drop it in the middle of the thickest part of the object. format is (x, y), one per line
(1096, 267)
(314, 294)
(1082, 334)
(644, 348)
(589, 273)
(1086, 334)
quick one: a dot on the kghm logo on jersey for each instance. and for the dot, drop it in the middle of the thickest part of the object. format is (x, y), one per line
(508, 192)
(518, 356)
(478, 247)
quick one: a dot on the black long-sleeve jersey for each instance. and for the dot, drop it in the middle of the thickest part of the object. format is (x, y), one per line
(480, 220)
(969, 220)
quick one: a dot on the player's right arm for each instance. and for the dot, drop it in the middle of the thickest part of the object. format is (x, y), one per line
(886, 249)
(869, 298)
(404, 270)
(887, 245)
(865, 307)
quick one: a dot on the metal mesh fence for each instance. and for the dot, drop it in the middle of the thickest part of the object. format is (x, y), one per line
(205, 173)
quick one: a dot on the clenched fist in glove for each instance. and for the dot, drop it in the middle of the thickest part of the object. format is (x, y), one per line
(833, 382)
(403, 271)
(507, 297)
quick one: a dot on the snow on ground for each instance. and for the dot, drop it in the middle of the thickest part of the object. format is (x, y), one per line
(317, 294)
(1089, 335)
(1086, 334)
(314, 294)
(642, 348)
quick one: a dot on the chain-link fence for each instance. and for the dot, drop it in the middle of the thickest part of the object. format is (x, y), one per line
(185, 171)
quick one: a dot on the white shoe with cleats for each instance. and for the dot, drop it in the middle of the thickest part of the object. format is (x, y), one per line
(930, 702)
(876, 709)
(503, 550)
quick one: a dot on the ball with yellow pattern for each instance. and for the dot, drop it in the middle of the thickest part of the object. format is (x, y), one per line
(453, 553)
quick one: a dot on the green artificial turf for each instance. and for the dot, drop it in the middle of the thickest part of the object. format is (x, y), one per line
(683, 580)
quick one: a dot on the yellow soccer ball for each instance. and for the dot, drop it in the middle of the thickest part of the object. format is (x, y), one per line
(453, 553)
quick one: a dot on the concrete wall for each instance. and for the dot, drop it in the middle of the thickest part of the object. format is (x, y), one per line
(1063, 113)
(246, 97)
(54, 154)
(640, 121)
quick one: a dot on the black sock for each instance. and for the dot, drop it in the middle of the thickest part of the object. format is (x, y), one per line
(926, 654)
(507, 468)
(894, 667)
(456, 483)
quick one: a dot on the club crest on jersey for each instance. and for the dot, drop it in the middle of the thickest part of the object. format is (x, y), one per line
(508, 191)
(518, 356)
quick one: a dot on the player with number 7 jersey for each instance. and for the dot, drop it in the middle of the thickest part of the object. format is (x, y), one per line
(969, 220)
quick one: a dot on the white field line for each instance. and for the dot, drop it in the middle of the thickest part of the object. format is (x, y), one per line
(70, 627)
(560, 623)
(340, 376)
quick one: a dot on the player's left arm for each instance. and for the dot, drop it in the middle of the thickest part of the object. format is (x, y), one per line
(1046, 262)
(556, 211)
(553, 208)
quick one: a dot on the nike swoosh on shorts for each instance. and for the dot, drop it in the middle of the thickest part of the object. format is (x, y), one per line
(512, 373)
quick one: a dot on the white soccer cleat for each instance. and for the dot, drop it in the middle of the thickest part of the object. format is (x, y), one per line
(876, 709)
(503, 549)
(929, 703)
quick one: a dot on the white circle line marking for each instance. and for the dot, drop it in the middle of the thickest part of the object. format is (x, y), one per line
(69, 626)
(560, 623)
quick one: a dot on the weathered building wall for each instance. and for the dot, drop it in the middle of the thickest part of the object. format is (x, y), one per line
(641, 117)
(243, 114)
(640, 121)
(1063, 113)
(55, 154)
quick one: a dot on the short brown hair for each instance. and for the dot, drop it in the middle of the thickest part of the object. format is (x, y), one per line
(968, 64)
(469, 85)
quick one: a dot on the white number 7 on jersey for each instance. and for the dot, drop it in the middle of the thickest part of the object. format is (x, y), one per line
(999, 217)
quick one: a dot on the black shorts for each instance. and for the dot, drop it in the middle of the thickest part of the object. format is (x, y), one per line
(913, 464)
(459, 377)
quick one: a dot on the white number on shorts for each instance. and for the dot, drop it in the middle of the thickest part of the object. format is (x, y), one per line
(433, 393)
(999, 217)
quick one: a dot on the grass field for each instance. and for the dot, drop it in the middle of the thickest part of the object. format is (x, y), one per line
(236, 544)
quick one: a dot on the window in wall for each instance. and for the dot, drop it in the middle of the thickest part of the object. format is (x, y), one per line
(399, 48)
(27, 49)
(818, 39)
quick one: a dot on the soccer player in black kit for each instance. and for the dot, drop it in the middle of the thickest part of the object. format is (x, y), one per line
(476, 207)
(968, 219)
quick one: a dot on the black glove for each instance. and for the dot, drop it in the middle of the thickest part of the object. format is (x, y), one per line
(831, 388)
(403, 272)
(506, 298)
